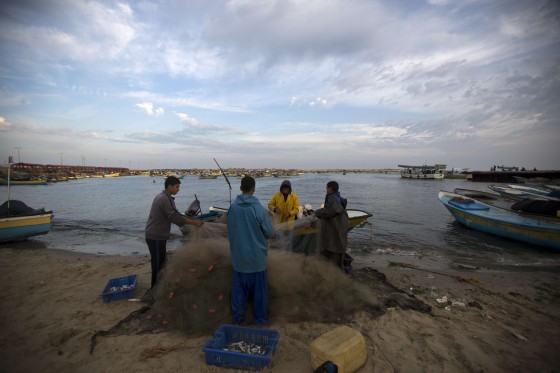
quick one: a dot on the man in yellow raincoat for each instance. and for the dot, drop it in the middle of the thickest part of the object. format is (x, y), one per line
(284, 204)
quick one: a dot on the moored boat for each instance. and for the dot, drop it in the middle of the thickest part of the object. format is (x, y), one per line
(18, 221)
(541, 208)
(537, 192)
(303, 230)
(523, 193)
(502, 222)
(23, 182)
(208, 176)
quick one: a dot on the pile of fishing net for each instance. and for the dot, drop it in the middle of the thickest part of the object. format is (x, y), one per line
(193, 290)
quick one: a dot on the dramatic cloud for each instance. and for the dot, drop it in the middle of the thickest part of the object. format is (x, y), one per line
(284, 83)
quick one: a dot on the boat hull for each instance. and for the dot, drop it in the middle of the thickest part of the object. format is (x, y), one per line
(422, 176)
(21, 227)
(504, 223)
(23, 182)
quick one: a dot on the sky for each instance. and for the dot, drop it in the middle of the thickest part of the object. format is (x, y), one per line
(306, 84)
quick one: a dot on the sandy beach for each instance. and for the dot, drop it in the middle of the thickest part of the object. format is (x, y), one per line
(492, 321)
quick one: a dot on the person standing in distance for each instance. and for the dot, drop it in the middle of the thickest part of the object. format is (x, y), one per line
(249, 228)
(333, 229)
(158, 226)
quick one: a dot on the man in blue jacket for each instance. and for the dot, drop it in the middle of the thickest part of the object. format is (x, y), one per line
(249, 228)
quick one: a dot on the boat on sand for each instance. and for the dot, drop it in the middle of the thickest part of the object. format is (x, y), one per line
(484, 217)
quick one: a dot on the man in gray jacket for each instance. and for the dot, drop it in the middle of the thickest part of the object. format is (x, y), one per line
(158, 226)
(332, 236)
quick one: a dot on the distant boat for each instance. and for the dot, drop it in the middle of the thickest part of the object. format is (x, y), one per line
(208, 176)
(24, 182)
(112, 174)
(178, 176)
(486, 218)
(424, 172)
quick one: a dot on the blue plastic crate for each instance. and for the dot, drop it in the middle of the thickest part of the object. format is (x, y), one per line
(226, 334)
(119, 288)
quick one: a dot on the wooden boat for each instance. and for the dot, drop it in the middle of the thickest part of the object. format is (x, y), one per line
(19, 221)
(536, 192)
(424, 172)
(303, 230)
(519, 194)
(20, 227)
(24, 182)
(501, 222)
(304, 226)
(178, 176)
(208, 176)
(479, 194)
(540, 208)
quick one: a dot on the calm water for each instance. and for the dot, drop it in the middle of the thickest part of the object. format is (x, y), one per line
(108, 216)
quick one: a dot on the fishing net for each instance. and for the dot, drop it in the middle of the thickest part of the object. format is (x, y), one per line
(18, 208)
(193, 291)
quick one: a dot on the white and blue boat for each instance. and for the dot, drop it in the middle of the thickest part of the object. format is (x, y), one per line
(505, 223)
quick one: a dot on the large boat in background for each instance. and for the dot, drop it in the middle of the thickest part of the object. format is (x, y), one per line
(424, 172)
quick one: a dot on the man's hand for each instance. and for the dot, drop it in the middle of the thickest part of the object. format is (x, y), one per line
(287, 215)
(276, 210)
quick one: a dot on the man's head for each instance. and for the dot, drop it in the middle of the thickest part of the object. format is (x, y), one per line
(247, 185)
(286, 187)
(333, 185)
(172, 184)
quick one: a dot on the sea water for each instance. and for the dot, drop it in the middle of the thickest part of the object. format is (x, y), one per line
(108, 215)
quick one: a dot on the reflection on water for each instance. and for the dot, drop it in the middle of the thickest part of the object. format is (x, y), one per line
(108, 215)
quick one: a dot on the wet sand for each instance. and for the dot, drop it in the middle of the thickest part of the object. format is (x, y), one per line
(492, 321)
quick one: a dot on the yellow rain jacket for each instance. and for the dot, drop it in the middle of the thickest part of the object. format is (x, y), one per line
(288, 208)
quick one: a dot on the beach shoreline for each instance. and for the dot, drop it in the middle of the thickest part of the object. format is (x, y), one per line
(492, 321)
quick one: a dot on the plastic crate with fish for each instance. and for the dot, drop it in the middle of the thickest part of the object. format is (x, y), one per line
(119, 288)
(241, 347)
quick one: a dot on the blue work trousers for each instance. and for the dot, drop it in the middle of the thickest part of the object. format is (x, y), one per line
(244, 287)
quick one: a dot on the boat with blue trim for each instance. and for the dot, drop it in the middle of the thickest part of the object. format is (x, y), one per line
(501, 222)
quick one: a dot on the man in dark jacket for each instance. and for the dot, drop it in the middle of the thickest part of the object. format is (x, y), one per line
(158, 226)
(332, 237)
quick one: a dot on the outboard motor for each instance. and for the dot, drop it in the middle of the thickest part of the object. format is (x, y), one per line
(194, 208)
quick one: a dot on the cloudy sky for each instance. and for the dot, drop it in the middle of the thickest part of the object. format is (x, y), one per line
(281, 83)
